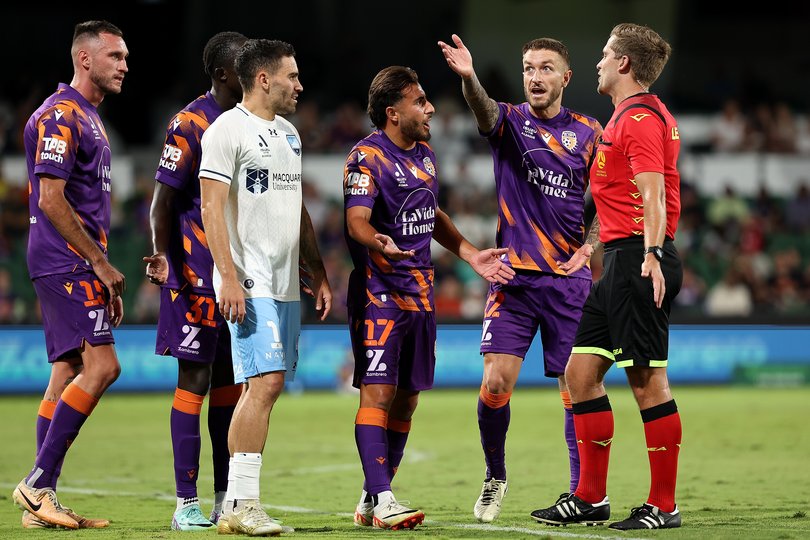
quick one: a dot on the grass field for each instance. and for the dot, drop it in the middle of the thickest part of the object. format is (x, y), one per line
(745, 466)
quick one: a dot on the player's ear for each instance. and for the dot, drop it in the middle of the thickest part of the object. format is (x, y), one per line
(567, 77)
(220, 74)
(624, 64)
(392, 114)
(263, 78)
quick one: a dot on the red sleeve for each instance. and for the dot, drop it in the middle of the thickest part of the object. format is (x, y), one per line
(643, 142)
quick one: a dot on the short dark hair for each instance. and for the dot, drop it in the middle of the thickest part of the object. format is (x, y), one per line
(258, 54)
(386, 90)
(94, 28)
(221, 50)
(550, 44)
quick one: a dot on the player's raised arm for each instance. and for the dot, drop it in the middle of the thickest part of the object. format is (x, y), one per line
(483, 107)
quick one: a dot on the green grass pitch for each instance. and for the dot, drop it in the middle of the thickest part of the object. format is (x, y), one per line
(745, 466)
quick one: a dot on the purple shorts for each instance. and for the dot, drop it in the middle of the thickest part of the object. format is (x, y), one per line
(535, 300)
(393, 347)
(74, 310)
(190, 327)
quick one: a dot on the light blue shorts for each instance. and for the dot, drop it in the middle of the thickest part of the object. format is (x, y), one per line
(267, 340)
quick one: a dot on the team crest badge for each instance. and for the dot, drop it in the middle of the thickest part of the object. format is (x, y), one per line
(569, 140)
(294, 144)
(256, 180)
(431, 170)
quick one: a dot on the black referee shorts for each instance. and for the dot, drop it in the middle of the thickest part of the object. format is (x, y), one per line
(620, 320)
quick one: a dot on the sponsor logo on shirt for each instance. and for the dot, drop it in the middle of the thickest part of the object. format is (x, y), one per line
(286, 181)
(171, 156)
(96, 134)
(418, 221)
(53, 149)
(256, 180)
(550, 182)
(399, 174)
(356, 184)
(528, 131)
(264, 148)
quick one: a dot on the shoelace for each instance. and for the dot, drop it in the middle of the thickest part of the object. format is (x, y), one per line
(196, 512)
(562, 497)
(51, 494)
(489, 494)
(641, 511)
(252, 512)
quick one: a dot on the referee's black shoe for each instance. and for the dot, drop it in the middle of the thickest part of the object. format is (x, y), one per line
(571, 509)
(648, 516)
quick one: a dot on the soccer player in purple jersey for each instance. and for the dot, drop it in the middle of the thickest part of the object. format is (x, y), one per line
(541, 153)
(190, 327)
(68, 158)
(390, 191)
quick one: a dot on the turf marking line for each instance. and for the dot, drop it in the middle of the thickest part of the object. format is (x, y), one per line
(544, 531)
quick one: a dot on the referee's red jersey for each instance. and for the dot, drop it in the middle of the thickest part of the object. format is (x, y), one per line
(641, 136)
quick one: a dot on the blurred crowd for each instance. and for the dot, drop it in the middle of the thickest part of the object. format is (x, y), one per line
(744, 256)
(764, 127)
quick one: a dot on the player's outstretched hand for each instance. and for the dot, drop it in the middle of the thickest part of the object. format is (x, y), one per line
(579, 259)
(458, 58)
(390, 249)
(157, 268)
(487, 263)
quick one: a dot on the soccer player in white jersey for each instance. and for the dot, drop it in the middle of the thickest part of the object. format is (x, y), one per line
(256, 222)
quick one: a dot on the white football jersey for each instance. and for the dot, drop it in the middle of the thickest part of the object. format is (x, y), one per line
(261, 161)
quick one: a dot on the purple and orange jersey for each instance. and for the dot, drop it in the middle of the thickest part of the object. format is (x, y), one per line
(541, 176)
(65, 138)
(401, 189)
(190, 261)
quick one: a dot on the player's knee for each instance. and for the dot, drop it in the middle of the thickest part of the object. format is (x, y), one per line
(497, 387)
(576, 378)
(111, 373)
(498, 383)
(194, 379)
(101, 377)
(265, 389)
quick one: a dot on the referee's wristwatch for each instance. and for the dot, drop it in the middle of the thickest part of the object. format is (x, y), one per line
(657, 251)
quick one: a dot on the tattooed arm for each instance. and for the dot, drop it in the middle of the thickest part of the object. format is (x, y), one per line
(483, 107)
